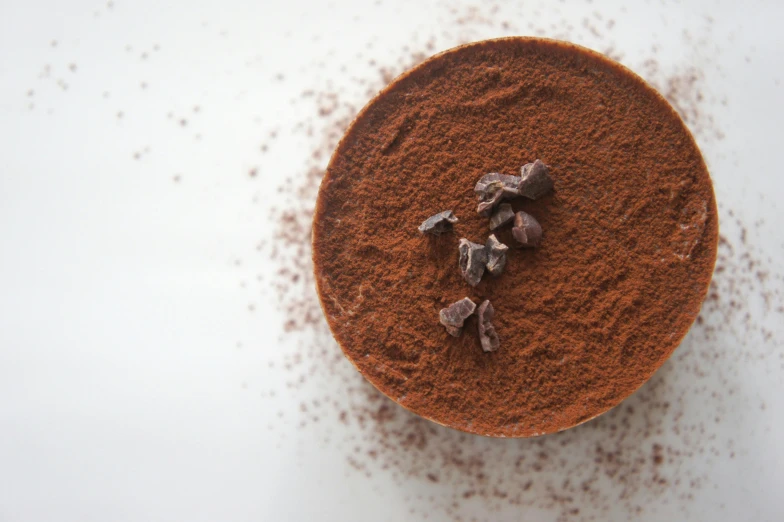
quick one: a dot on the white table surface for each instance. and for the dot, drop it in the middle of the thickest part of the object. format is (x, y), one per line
(142, 345)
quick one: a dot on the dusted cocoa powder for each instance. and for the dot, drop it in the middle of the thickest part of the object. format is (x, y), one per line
(605, 469)
(584, 319)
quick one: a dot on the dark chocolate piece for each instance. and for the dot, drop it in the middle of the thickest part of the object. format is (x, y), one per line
(439, 223)
(486, 207)
(453, 316)
(454, 331)
(536, 180)
(490, 183)
(472, 261)
(493, 188)
(527, 230)
(487, 334)
(496, 255)
(503, 215)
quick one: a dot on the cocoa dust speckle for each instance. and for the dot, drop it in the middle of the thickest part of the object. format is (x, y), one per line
(620, 462)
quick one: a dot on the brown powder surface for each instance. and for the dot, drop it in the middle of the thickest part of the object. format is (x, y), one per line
(687, 443)
(586, 318)
(604, 469)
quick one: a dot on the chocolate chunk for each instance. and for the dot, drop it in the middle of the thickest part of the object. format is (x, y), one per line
(536, 180)
(453, 316)
(454, 331)
(472, 261)
(527, 230)
(503, 215)
(487, 334)
(496, 255)
(486, 207)
(439, 223)
(489, 183)
(493, 188)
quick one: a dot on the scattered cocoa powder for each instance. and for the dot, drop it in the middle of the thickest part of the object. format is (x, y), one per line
(661, 449)
(607, 465)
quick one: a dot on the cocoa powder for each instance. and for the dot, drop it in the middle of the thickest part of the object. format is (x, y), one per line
(607, 468)
(666, 451)
(586, 317)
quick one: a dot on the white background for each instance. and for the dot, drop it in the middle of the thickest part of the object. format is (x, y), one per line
(134, 380)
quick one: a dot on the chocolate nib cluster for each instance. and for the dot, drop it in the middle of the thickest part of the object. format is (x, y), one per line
(476, 258)
(453, 318)
(534, 182)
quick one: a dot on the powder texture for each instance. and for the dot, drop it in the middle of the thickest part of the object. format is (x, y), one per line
(629, 243)
(666, 445)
